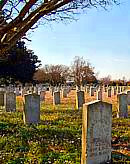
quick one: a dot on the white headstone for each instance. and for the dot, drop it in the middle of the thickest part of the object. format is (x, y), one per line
(109, 92)
(42, 95)
(10, 102)
(122, 105)
(92, 91)
(96, 132)
(31, 112)
(56, 98)
(80, 100)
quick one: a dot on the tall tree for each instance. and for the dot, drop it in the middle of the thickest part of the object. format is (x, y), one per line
(40, 76)
(82, 71)
(52, 74)
(20, 64)
(57, 74)
(19, 16)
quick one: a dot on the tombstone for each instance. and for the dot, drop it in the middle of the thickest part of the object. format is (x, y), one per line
(68, 89)
(85, 88)
(2, 93)
(109, 92)
(10, 88)
(10, 101)
(80, 100)
(17, 91)
(124, 89)
(31, 113)
(99, 95)
(96, 132)
(105, 89)
(122, 105)
(128, 97)
(88, 89)
(42, 95)
(77, 88)
(114, 90)
(119, 90)
(35, 90)
(92, 91)
(52, 90)
(24, 91)
(64, 92)
(56, 98)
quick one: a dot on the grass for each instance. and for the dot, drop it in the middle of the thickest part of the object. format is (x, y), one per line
(56, 139)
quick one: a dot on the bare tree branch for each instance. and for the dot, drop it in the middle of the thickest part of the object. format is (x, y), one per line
(13, 26)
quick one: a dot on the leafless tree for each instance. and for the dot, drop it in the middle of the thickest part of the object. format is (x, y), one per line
(82, 71)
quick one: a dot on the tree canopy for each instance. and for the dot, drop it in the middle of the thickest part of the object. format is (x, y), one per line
(52, 74)
(20, 64)
(80, 72)
(17, 17)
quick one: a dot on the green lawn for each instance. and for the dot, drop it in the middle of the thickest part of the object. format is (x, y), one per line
(56, 140)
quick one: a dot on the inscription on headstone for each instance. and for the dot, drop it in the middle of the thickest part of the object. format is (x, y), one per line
(96, 133)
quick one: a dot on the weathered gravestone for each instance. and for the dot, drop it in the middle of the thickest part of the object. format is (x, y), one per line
(114, 90)
(56, 98)
(124, 88)
(80, 100)
(24, 91)
(35, 90)
(17, 92)
(105, 89)
(119, 89)
(96, 132)
(31, 113)
(64, 92)
(99, 95)
(128, 97)
(88, 89)
(42, 95)
(92, 91)
(122, 105)
(109, 92)
(10, 101)
(52, 90)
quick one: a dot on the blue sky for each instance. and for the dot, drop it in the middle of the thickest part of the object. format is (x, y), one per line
(101, 37)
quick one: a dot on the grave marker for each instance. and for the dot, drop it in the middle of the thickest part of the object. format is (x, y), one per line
(122, 105)
(31, 112)
(10, 101)
(96, 133)
(80, 100)
(56, 98)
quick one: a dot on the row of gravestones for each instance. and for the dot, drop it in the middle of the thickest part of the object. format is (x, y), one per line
(96, 127)
(32, 103)
(89, 89)
(8, 99)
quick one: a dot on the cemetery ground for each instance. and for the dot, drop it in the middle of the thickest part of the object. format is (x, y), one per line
(57, 138)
